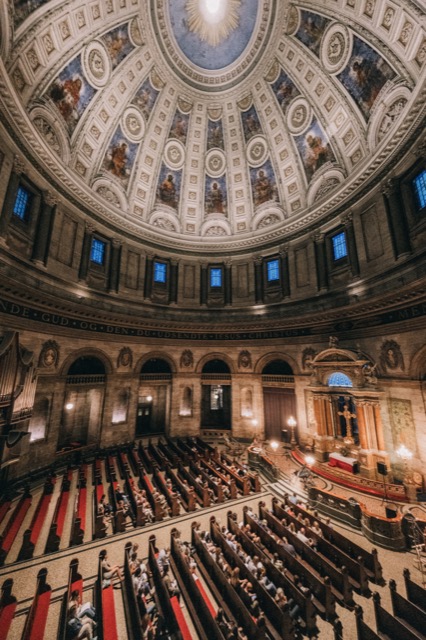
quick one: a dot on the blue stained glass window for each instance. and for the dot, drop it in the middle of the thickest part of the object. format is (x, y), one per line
(420, 189)
(22, 203)
(273, 270)
(216, 277)
(340, 249)
(339, 380)
(160, 272)
(97, 251)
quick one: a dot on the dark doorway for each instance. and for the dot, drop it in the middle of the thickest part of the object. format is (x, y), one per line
(216, 396)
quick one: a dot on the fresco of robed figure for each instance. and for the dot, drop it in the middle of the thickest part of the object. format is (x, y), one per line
(251, 123)
(215, 135)
(145, 98)
(118, 44)
(168, 190)
(263, 184)
(120, 157)
(311, 30)
(216, 195)
(71, 93)
(285, 90)
(314, 149)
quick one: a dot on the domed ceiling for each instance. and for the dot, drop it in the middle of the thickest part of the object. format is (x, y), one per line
(212, 124)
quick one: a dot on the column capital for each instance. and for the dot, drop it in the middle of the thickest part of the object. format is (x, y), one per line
(318, 237)
(283, 250)
(89, 227)
(258, 260)
(390, 186)
(420, 151)
(116, 243)
(50, 198)
(347, 219)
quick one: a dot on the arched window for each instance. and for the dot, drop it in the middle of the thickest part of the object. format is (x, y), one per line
(277, 368)
(339, 379)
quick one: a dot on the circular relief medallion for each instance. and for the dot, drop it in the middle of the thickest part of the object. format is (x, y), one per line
(257, 151)
(96, 64)
(336, 48)
(133, 124)
(299, 115)
(174, 154)
(215, 163)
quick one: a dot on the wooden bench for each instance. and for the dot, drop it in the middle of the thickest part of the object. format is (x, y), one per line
(58, 520)
(7, 608)
(216, 488)
(105, 608)
(32, 534)
(324, 599)
(11, 530)
(408, 612)
(415, 593)
(171, 496)
(78, 526)
(339, 577)
(389, 627)
(35, 623)
(75, 583)
(363, 630)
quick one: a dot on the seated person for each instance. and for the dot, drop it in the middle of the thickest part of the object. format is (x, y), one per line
(80, 610)
(79, 627)
(109, 570)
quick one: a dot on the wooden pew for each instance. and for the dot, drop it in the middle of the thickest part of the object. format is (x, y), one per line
(279, 618)
(99, 527)
(201, 490)
(320, 587)
(339, 577)
(170, 455)
(410, 614)
(242, 482)
(146, 458)
(205, 624)
(35, 623)
(57, 525)
(167, 609)
(156, 507)
(7, 608)
(129, 489)
(32, 534)
(171, 496)
(105, 609)
(181, 455)
(12, 527)
(157, 455)
(75, 583)
(229, 483)
(415, 593)
(131, 608)
(339, 558)
(78, 525)
(370, 559)
(217, 489)
(187, 493)
(363, 630)
(230, 597)
(389, 627)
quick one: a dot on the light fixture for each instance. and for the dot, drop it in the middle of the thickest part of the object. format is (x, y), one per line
(149, 398)
(309, 461)
(69, 406)
(274, 445)
(292, 424)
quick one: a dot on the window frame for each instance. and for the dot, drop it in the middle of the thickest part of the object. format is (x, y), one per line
(419, 208)
(339, 259)
(276, 282)
(94, 263)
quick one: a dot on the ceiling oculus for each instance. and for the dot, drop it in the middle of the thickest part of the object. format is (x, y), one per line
(213, 20)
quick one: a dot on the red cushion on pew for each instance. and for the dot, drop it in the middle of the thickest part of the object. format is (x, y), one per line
(109, 623)
(205, 597)
(62, 510)
(148, 483)
(81, 509)
(17, 521)
(40, 616)
(39, 517)
(77, 586)
(99, 492)
(6, 616)
(4, 509)
(183, 626)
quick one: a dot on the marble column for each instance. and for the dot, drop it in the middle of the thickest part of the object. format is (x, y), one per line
(285, 275)
(321, 262)
(44, 228)
(148, 276)
(228, 283)
(174, 273)
(397, 220)
(203, 284)
(258, 280)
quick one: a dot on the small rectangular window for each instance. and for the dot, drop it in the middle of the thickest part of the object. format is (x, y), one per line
(97, 251)
(339, 246)
(160, 272)
(273, 270)
(21, 207)
(420, 189)
(216, 277)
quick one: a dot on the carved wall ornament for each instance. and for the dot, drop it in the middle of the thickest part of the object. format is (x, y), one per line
(133, 124)
(369, 373)
(336, 47)
(268, 220)
(392, 113)
(125, 357)
(244, 360)
(215, 230)
(421, 53)
(292, 20)
(109, 195)
(164, 223)
(391, 356)
(174, 154)
(333, 342)
(388, 18)
(299, 115)
(257, 151)
(215, 163)
(96, 64)
(308, 355)
(187, 359)
(49, 355)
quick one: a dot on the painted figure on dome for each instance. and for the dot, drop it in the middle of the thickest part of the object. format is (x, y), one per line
(71, 93)
(169, 187)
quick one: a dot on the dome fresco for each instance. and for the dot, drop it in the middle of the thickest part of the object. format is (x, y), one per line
(189, 123)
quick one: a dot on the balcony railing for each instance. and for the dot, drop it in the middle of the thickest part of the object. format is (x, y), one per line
(216, 377)
(154, 377)
(87, 379)
(278, 379)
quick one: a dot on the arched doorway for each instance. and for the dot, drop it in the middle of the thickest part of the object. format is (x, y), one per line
(344, 417)
(83, 402)
(216, 395)
(279, 399)
(153, 410)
